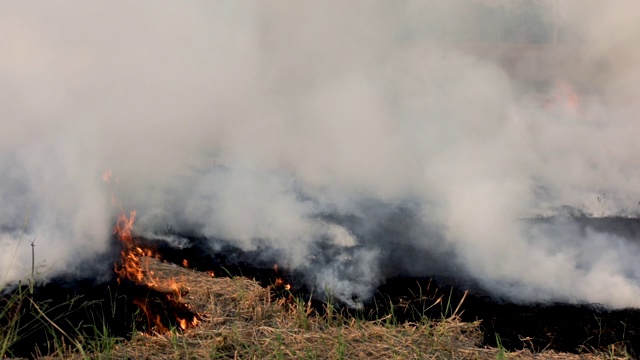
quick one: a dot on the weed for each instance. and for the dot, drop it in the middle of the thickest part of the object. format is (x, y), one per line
(502, 351)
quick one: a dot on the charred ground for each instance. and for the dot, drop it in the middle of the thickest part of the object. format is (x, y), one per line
(71, 300)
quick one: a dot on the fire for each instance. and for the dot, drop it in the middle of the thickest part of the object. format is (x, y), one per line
(154, 321)
(186, 324)
(130, 254)
(106, 176)
(280, 283)
(133, 267)
(124, 228)
(566, 98)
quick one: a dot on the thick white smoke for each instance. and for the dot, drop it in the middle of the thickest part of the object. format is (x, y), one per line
(271, 122)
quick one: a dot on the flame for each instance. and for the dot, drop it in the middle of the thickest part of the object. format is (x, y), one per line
(183, 323)
(130, 254)
(566, 98)
(132, 267)
(186, 324)
(185, 263)
(280, 283)
(175, 289)
(124, 228)
(154, 321)
(106, 176)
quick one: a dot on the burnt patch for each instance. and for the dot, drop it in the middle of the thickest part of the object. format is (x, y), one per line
(561, 327)
(556, 326)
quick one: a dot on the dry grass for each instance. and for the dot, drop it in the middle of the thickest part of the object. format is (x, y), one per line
(242, 321)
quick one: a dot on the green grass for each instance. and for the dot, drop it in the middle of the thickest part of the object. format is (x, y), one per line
(21, 316)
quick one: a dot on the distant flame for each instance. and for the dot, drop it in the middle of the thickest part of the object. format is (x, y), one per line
(154, 320)
(106, 176)
(566, 98)
(568, 95)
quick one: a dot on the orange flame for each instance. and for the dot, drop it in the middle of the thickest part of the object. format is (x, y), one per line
(565, 97)
(106, 176)
(130, 254)
(569, 97)
(131, 267)
(154, 321)
(280, 283)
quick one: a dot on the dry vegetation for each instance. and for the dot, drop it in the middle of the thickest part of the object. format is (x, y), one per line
(241, 320)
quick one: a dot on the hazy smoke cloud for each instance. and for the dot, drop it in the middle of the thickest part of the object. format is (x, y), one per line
(376, 130)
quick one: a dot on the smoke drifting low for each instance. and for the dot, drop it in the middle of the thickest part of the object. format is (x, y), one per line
(380, 131)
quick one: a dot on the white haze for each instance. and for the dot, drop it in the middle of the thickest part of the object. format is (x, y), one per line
(251, 120)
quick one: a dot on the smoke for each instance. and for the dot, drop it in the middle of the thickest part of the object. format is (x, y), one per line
(360, 139)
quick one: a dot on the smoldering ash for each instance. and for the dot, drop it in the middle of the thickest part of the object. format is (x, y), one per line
(348, 136)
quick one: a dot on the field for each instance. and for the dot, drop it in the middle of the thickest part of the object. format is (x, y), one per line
(237, 318)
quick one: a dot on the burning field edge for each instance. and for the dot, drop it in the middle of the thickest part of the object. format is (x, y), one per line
(154, 308)
(236, 317)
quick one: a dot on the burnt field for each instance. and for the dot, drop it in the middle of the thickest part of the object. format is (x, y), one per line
(74, 303)
(561, 326)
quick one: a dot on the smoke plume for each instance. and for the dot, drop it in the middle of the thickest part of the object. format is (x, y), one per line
(360, 139)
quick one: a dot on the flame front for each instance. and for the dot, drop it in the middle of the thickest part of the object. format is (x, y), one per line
(130, 255)
(132, 267)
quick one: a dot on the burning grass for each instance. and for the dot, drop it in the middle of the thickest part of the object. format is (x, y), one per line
(239, 319)
(178, 313)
